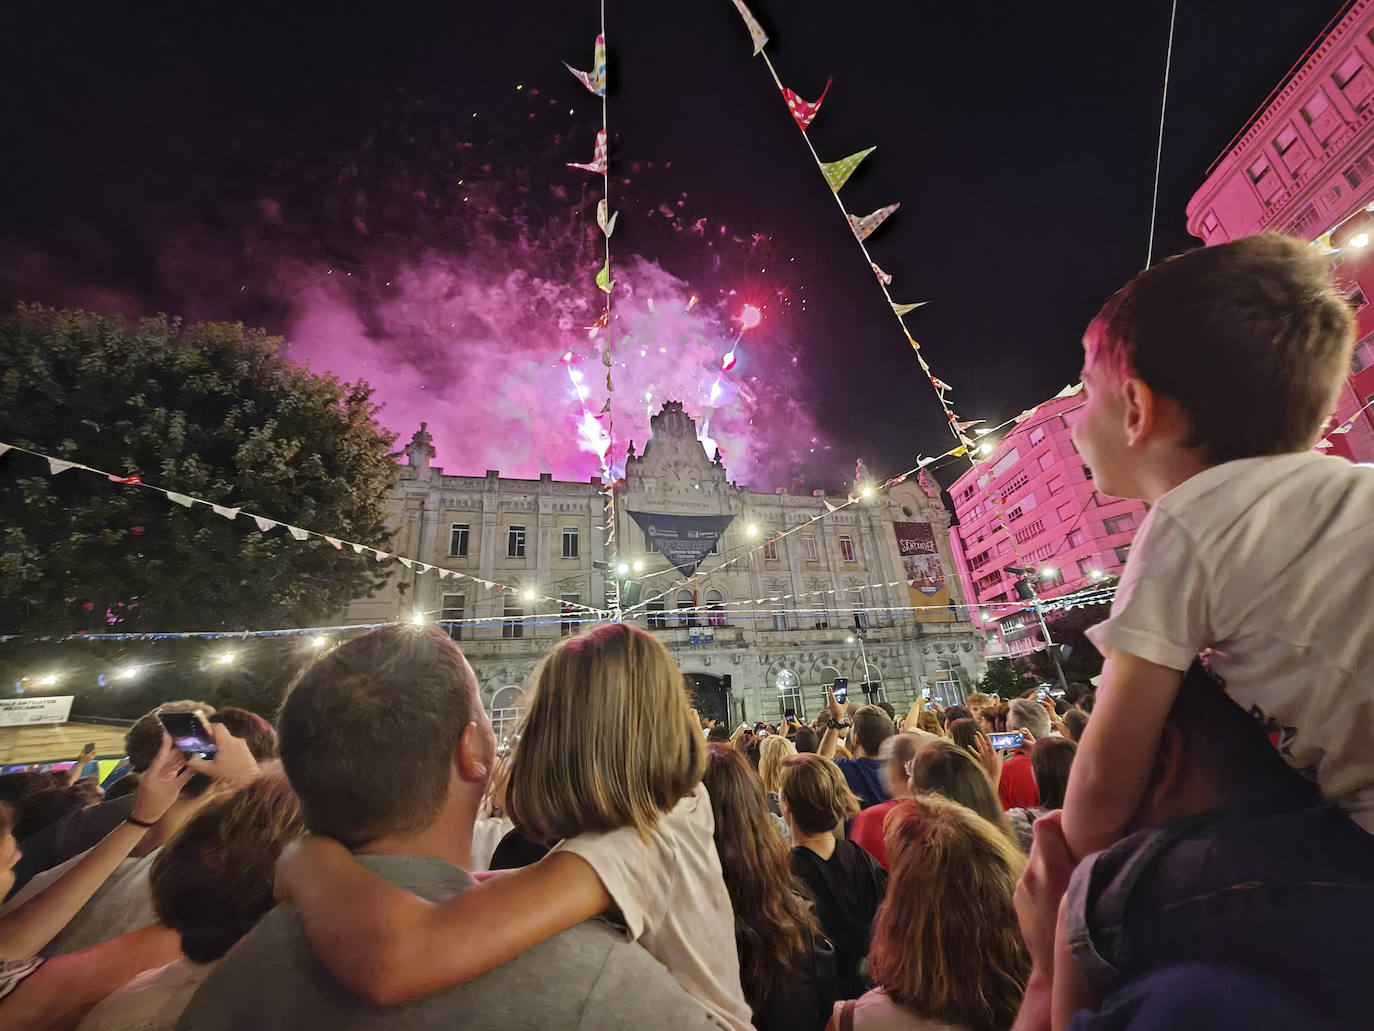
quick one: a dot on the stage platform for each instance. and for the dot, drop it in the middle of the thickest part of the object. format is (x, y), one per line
(58, 742)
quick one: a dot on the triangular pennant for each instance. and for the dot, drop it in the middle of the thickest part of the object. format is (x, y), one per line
(603, 278)
(837, 173)
(56, 465)
(264, 524)
(883, 277)
(180, 499)
(298, 533)
(595, 80)
(804, 111)
(610, 387)
(425, 567)
(728, 361)
(379, 555)
(358, 549)
(5, 447)
(598, 161)
(606, 223)
(607, 407)
(1344, 427)
(338, 544)
(228, 513)
(408, 563)
(939, 384)
(828, 506)
(902, 309)
(606, 355)
(135, 479)
(964, 425)
(864, 227)
(756, 32)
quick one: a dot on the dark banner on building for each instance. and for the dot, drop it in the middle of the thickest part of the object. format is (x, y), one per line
(925, 574)
(684, 540)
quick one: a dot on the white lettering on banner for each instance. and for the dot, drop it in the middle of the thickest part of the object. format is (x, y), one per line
(18, 712)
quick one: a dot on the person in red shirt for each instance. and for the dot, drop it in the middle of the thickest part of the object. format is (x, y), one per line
(866, 831)
(1016, 789)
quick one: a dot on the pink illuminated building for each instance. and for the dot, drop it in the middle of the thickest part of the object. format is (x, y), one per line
(1030, 503)
(1304, 164)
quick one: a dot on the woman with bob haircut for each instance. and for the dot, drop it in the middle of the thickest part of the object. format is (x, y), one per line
(845, 882)
(947, 949)
(608, 766)
(943, 768)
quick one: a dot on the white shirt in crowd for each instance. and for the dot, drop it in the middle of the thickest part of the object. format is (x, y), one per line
(1268, 563)
(671, 895)
(152, 1001)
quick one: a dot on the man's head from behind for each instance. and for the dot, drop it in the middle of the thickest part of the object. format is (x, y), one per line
(375, 734)
(144, 739)
(1024, 714)
(871, 728)
(1214, 755)
(256, 731)
(1226, 352)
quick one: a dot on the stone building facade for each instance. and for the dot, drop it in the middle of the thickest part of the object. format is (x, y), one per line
(766, 622)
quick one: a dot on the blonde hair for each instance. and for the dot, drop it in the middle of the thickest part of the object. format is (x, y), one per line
(773, 752)
(977, 702)
(608, 739)
(946, 942)
(816, 793)
(929, 722)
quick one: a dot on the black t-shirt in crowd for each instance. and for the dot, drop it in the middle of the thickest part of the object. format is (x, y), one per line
(847, 889)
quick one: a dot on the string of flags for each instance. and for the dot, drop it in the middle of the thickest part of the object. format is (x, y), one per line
(1346, 426)
(836, 174)
(597, 437)
(265, 524)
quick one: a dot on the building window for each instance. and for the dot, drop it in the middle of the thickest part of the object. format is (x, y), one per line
(779, 620)
(1046, 461)
(649, 548)
(847, 548)
(513, 616)
(770, 550)
(1004, 547)
(1210, 224)
(1284, 141)
(1056, 484)
(789, 694)
(657, 619)
(1259, 170)
(1316, 106)
(822, 620)
(715, 608)
(1015, 485)
(1349, 71)
(1037, 435)
(1077, 539)
(808, 543)
(1087, 473)
(458, 539)
(685, 600)
(1363, 358)
(1065, 512)
(451, 612)
(1027, 532)
(571, 622)
(515, 542)
(715, 546)
(1119, 524)
(1085, 566)
(1015, 514)
(980, 560)
(570, 542)
(1354, 296)
(1006, 462)
(1122, 553)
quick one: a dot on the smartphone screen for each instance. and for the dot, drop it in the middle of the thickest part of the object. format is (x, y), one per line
(1042, 694)
(188, 732)
(1006, 742)
(790, 715)
(841, 689)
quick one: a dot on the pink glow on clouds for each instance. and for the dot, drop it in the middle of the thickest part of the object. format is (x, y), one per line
(478, 352)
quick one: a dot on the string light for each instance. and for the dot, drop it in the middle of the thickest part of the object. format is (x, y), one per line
(623, 568)
(225, 658)
(49, 680)
(528, 594)
(752, 530)
(418, 619)
(639, 565)
(127, 673)
(318, 642)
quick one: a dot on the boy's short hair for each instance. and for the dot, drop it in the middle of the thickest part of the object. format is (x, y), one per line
(256, 732)
(1250, 339)
(368, 732)
(872, 728)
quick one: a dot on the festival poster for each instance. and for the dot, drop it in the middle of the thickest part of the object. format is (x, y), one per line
(925, 573)
(684, 540)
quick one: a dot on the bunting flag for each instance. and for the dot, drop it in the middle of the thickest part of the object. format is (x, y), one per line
(756, 32)
(837, 173)
(728, 362)
(264, 524)
(606, 354)
(939, 384)
(298, 533)
(607, 224)
(180, 499)
(598, 162)
(408, 563)
(357, 549)
(380, 555)
(917, 348)
(961, 426)
(57, 465)
(883, 277)
(607, 407)
(228, 513)
(864, 227)
(902, 309)
(338, 544)
(6, 447)
(603, 278)
(121, 479)
(804, 111)
(595, 80)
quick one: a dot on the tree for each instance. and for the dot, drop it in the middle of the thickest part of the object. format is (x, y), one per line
(206, 410)
(1068, 627)
(1005, 678)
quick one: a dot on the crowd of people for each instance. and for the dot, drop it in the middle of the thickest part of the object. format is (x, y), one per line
(1189, 846)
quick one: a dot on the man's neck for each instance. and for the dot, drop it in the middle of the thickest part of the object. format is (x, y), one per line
(448, 838)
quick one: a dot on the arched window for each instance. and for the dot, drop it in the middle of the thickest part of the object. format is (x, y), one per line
(506, 706)
(789, 694)
(685, 600)
(715, 608)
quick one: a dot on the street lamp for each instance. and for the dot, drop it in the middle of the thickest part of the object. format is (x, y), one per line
(1034, 598)
(623, 568)
(639, 565)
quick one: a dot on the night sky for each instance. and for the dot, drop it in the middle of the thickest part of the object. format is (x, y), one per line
(219, 161)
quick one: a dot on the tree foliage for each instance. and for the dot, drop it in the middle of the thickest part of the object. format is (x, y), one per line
(1005, 678)
(208, 410)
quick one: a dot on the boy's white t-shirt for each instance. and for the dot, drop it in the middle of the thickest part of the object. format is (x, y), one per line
(1269, 562)
(672, 897)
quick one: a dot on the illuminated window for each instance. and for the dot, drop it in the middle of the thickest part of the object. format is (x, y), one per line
(847, 548)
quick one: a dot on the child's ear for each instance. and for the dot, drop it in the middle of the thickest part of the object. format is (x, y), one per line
(1139, 411)
(473, 757)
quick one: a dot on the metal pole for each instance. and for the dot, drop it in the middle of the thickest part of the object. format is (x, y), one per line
(1049, 642)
